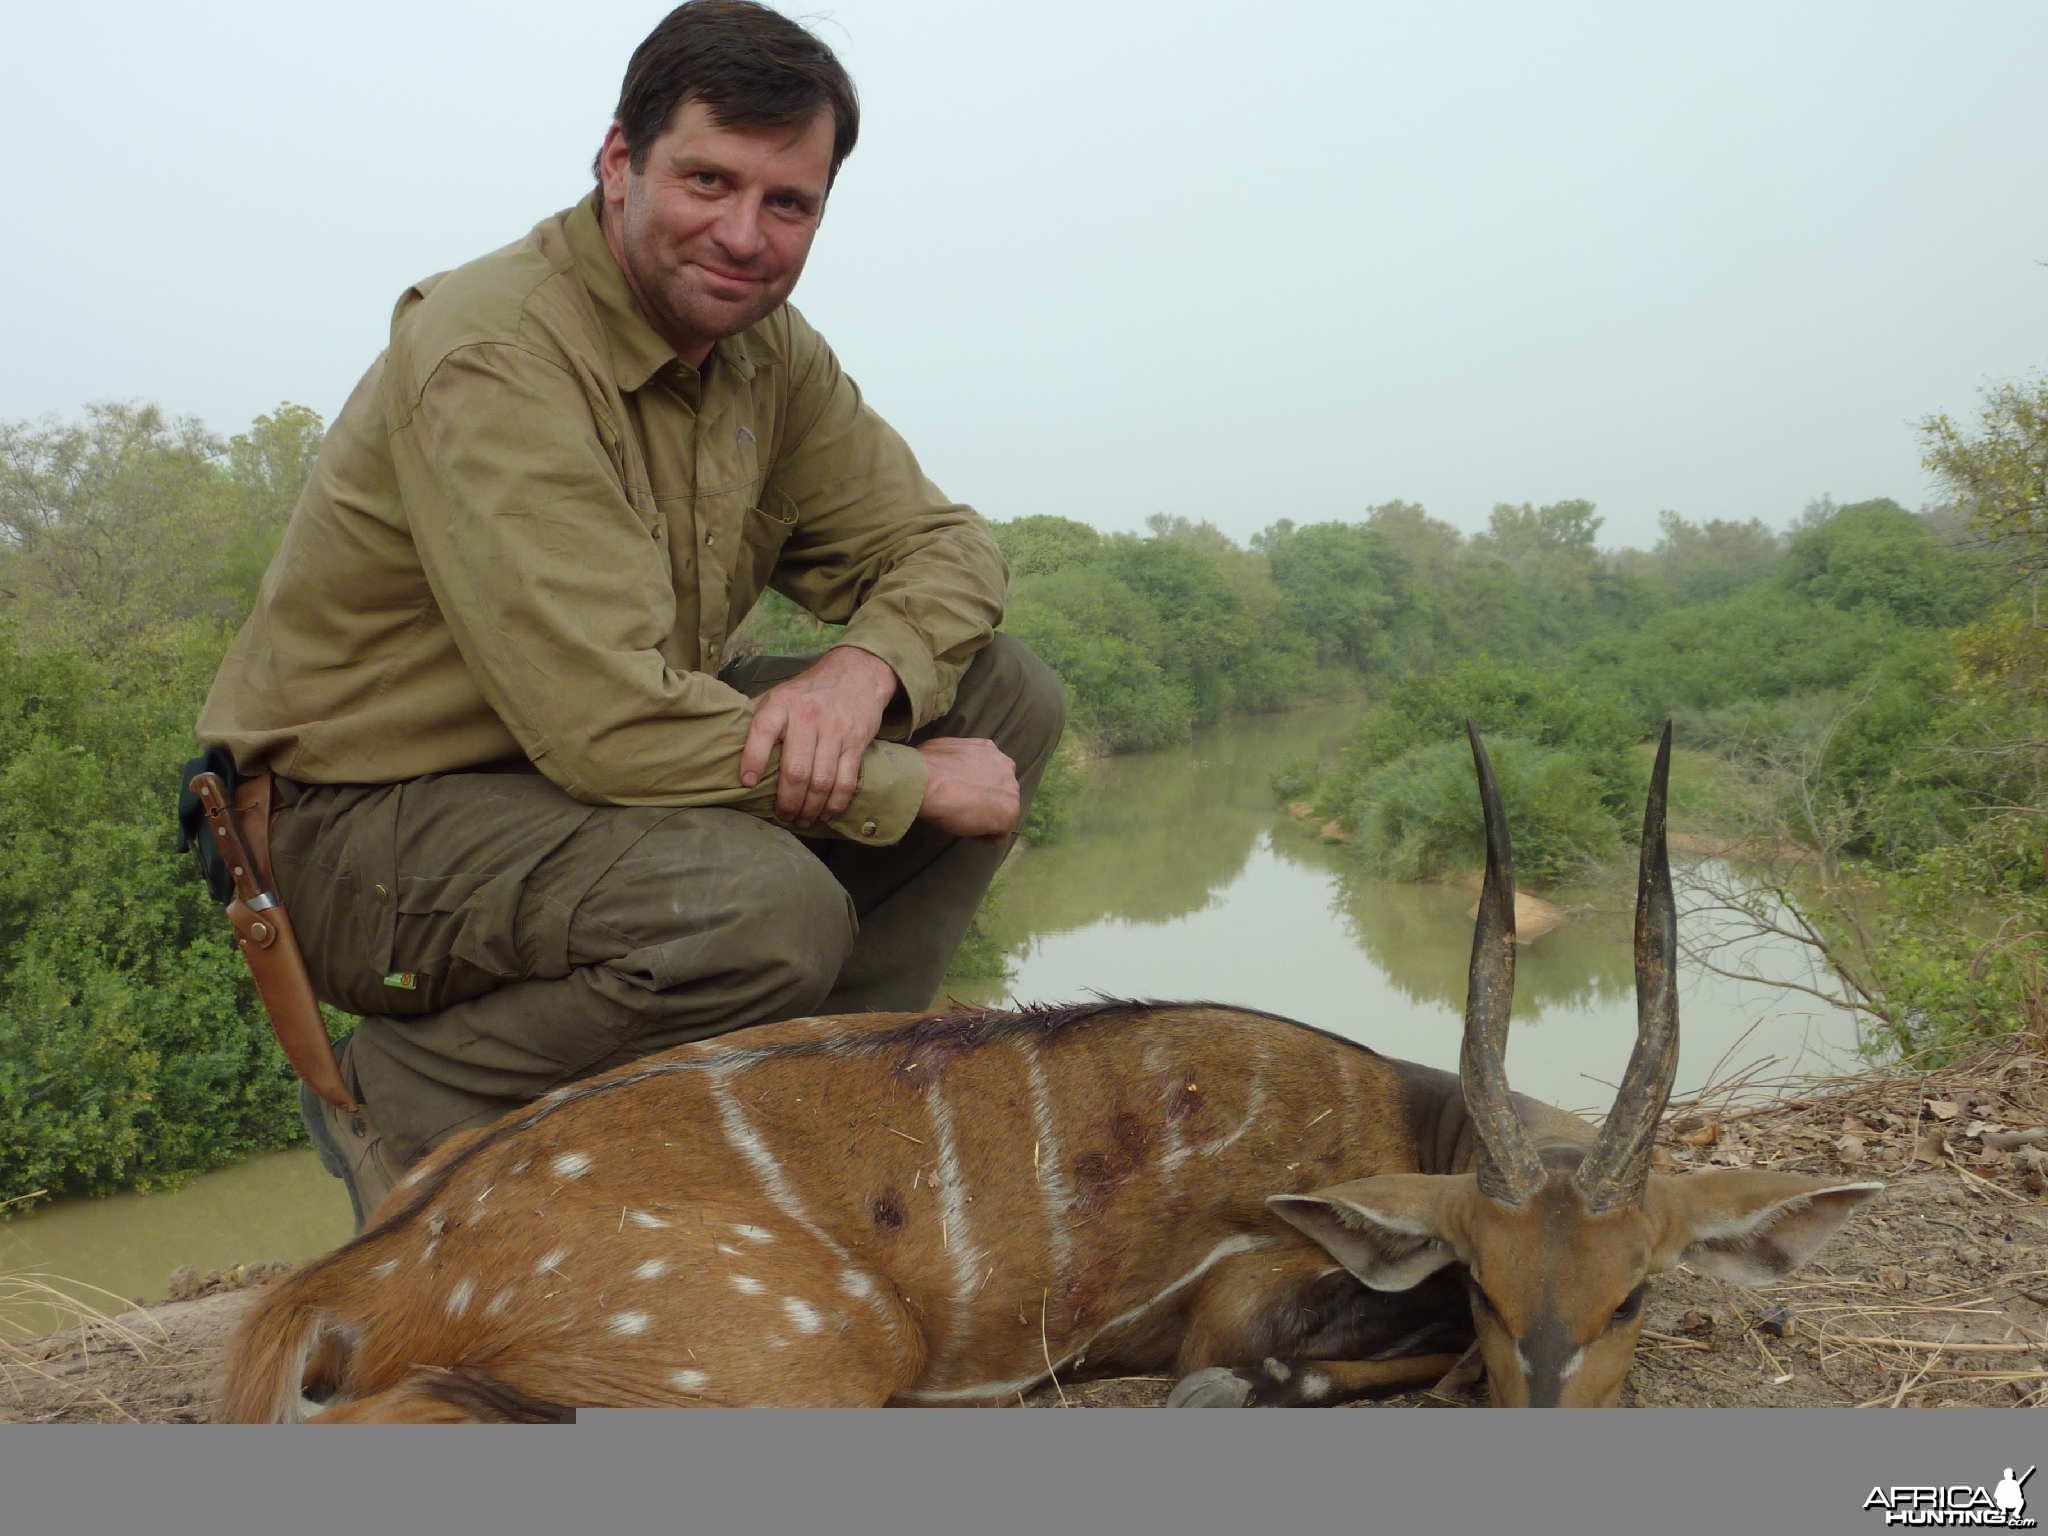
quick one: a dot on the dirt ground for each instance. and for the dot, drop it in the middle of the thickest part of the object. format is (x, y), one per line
(1934, 1296)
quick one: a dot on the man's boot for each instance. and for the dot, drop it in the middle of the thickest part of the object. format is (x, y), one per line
(351, 1149)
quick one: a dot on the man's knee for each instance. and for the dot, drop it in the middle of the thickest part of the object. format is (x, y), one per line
(791, 937)
(1011, 696)
(758, 933)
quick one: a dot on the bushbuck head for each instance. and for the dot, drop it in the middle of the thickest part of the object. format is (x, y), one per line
(1559, 1232)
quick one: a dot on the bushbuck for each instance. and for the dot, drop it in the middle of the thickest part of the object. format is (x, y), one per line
(952, 1208)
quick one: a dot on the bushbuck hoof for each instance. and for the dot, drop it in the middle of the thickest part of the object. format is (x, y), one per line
(1217, 1386)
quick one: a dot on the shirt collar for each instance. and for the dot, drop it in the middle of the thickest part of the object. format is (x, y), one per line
(638, 350)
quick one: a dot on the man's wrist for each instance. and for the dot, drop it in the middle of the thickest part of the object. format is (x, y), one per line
(861, 662)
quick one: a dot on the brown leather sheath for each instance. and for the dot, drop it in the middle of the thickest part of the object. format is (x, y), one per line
(263, 930)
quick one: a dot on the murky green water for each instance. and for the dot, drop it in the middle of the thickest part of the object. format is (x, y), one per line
(1179, 880)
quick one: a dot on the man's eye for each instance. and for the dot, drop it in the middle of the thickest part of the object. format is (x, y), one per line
(708, 180)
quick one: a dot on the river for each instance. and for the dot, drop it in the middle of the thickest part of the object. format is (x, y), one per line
(1178, 878)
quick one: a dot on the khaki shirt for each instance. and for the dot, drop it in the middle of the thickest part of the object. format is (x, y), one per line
(532, 531)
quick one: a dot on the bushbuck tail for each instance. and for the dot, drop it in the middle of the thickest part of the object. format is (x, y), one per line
(949, 1209)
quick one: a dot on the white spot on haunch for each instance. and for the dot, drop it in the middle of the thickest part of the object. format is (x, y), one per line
(645, 1219)
(572, 1165)
(653, 1269)
(687, 1381)
(385, 1270)
(747, 1285)
(458, 1299)
(499, 1303)
(727, 1249)
(628, 1322)
(802, 1314)
(753, 1234)
(1315, 1386)
(856, 1284)
(551, 1261)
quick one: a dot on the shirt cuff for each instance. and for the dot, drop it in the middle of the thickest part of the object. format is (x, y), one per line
(892, 784)
(898, 644)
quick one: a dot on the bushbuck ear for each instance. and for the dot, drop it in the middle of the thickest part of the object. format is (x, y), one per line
(1388, 1231)
(1750, 1226)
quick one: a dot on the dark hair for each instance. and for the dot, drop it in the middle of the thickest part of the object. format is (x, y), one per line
(753, 67)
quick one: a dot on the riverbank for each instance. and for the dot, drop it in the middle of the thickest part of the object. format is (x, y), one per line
(1935, 1296)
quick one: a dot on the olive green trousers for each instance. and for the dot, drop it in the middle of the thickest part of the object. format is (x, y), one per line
(500, 938)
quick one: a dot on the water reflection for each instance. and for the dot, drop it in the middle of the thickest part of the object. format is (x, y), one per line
(1180, 879)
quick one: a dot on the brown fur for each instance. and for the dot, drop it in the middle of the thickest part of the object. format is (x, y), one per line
(897, 1208)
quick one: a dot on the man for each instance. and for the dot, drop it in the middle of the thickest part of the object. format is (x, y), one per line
(537, 821)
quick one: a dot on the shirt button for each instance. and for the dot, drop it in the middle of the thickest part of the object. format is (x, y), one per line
(710, 539)
(382, 893)
(868, 829)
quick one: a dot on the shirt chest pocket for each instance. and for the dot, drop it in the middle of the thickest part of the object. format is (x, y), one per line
(765, 528)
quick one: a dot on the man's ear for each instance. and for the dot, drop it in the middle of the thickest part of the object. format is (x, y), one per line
(1389, 1231)
(614, 164)
(1747, 1225)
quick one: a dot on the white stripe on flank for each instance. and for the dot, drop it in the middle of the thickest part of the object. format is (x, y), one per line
(1244, 1242)
(1055, 1194)
(1255, 1101)
(1171, 1137)
(687, 1381)
(743, 1139)
(965, 1258)
(458, 1299)
(803, 1314)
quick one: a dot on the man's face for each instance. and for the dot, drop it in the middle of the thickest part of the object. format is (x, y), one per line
(712, 232)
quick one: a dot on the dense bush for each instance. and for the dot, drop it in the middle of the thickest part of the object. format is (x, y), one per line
(132, 1047)
(1418, 817)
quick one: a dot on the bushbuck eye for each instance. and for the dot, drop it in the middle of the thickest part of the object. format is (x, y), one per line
(1631, 1306)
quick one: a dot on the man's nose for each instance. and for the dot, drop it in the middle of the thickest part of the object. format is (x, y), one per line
(739, 228)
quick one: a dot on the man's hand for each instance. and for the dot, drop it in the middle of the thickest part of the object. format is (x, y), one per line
(970, 788)
(824, 718)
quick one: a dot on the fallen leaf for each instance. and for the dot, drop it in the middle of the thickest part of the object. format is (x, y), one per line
(1849, 1148)
(1705, 1136)
(1942, 1109)
(1930, 1146)
(1696, 1324)
(1893, 1278)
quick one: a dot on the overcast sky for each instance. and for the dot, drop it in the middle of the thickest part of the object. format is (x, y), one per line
(1237, 261)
